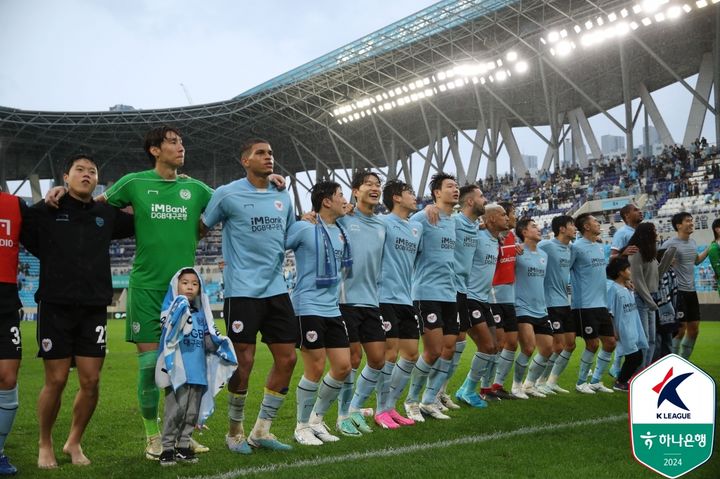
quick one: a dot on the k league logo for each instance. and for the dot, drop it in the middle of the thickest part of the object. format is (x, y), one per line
(672, 416)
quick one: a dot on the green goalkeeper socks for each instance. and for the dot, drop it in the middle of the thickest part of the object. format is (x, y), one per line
(148, 392)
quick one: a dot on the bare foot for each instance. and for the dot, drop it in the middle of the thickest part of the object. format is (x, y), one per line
(76, 454)
(46, 458)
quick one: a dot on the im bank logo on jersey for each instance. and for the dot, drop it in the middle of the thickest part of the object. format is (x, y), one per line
(672, 416)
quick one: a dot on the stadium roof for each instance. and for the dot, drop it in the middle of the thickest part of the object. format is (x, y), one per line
(304, 112)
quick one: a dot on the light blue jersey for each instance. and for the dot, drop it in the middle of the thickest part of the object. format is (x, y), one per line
(557, 273)
(587, 274)
(253, 237)
(402, 243)
(307, 297)
(622, 237)
(435, 265)
(530, 283)
(366, 234)
(192, 349)
(465, 243)
(483, 267)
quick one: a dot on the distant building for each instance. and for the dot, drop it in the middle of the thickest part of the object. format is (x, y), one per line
(611, 145)
(567, 152)
(120, 107)
(531, 161)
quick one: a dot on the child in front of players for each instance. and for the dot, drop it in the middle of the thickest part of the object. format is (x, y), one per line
(185, 331)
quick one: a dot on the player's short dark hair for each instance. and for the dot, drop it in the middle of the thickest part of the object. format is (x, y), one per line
(521, 226)
(507, 206)
(392, 188)
(359, 178)
(581, 221)
(465, 191)
(560, 221)
(156, 136)
(247, 145)
(626, 209)
(678, 218)
(320, 191)
(616, 265)
(437, 180)
(73, 158)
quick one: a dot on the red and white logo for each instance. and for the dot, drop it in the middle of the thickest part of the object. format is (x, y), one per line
(278, 205)
(237, 326)
(46, 344)
(311, 336)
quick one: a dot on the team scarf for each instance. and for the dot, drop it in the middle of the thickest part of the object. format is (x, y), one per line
(326, 270)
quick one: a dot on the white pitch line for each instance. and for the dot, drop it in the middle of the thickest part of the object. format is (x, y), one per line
(392, 451)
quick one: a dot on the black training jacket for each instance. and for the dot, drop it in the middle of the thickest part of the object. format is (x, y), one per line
(72, 243)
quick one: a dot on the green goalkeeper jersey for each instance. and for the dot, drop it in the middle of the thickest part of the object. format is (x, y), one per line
(714, 256)
(166, 223)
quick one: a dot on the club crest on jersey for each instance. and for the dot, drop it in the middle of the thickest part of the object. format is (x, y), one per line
(237, 326)
(415, 232)
(46, 344)
(279, 205)
(185, 194)
(476, 314)
(99, 221)
(136, 327)
(311, 336)
(431, 318)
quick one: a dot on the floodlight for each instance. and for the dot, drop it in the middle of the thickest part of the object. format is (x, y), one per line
(634, 25)
(564, 48)
(588, 25)
(499, 63)
(622, 28)
(646, 21)
(599, 21)
(563, 33)
(501, 75)
(428, 92)
(624, 13)
(674, 12)
(339, 122)
(511, 56)
(577, 28)
(687, 8)
(612, 17)
(482, 80)
(521, 67)
(426, 81)
(419, 83)
(459, 82)
(450, 85)
(475, 80)
(553, 36)
(701, 3)
(442, 87)
(637, 8)
(659, 17)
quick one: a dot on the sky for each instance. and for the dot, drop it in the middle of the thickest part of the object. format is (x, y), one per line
(85, 55)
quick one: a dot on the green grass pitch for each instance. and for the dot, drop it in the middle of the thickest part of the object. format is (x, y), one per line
(534, 438)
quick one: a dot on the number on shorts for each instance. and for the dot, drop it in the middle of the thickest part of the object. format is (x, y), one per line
(101, 334)
(15, 331)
